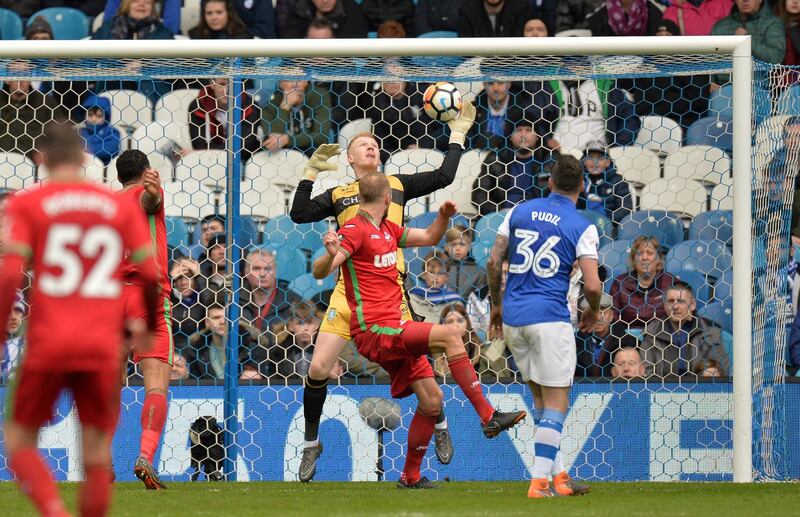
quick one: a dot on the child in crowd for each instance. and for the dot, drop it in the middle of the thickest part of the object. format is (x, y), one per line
(464, 274)
(102, 139)
(428, 298)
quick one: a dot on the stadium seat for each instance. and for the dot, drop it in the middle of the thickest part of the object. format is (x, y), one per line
(674, 195)
(666, 227)
(480, 252)
(17, 171)
(308, 287)
(157, 161)
(460, 191)
(249, 235)
(769, 138)
(572, 33)
(174, 106)
(67, 23)
(426, 219)
(719, 314)
(712, 131)
(129, 108)
(615, 256)
(208, 167)
(723, 287)
(351, 129)
(10, 25)
(161, 137)
(283, 167)
(270, 181)
(661, 134)
(698, 283)
(439, 34)
(708, 165)
(290, 262)
(312, 237)
(722, 197)
(720, 102)
(191, 11)
(178, 233)
(190, 199)
(712, 225)
(281, 231)
(486, 227)
(605, 227)
(98, 22)
(709, 258)
(637, 165)
(93, 169)
(408, 162)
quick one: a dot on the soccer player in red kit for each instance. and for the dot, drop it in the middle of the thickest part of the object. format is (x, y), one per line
(74, 236)
(141, 188)
(366, 248)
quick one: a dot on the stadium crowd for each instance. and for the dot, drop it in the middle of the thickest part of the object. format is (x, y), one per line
(667, 270)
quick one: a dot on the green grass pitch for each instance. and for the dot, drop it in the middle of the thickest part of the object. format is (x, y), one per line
(453, 499)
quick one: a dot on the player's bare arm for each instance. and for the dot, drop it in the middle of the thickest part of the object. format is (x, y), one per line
(151, 197)
(433, 233)
(494, 269)
(330, 262)
(593, 289)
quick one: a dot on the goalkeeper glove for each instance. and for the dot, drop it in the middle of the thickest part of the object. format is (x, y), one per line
(319, 161)
(460, 126)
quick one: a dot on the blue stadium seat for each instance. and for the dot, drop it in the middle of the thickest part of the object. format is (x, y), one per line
(664, 226)
(67, 23)
(414, 258)
(480, 252)
(723, 288)
(712, 131)
(289, 261)
(178, 233)
(789, 101)
(281, 230)
(10, 25)
(425, 220)
(699, 284)
(709, 258)
(718, 313)
(603, 224)
(720, 103)
(439, 34)
(486, 227)
(615, 257)
(312, 235)
(308, 287)
(713, 225)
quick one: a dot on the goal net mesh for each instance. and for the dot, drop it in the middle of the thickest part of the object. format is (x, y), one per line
(652, 398)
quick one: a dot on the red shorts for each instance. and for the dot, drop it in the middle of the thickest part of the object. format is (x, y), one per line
(96, 395)
(400, 348)
(136, 309)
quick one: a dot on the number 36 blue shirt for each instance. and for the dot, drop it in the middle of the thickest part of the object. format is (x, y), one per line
(545, 238)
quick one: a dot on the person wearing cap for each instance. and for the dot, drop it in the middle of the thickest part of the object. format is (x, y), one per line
(510, 176)
(683, 98)
(593, 347)
(213, 269)
(605, 192)
(696, 17)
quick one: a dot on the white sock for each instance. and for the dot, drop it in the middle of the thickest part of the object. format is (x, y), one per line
(558, 464)
(440, 425)
(313, 443)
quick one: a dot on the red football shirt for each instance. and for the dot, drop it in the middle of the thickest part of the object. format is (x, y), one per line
(158, 239)
(370, 271)
(75, 236)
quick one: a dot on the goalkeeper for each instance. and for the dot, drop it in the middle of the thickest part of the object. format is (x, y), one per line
(363, 155)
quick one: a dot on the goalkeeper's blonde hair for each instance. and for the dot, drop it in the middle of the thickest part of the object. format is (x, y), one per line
(363, 134)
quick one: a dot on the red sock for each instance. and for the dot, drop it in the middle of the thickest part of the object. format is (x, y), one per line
(465, 376)
(154, 416)
(95, 494)
(36, 481)
(419, 436)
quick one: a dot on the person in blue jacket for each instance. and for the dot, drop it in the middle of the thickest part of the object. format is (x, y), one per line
(605, 191)
(102, 139)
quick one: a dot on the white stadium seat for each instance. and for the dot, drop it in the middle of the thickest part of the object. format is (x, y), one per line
(191, 199)
(637, 165)
(93, 169)
(679, 195)
(16, 171)
(351, 129)
(722, 197)
(208, 167)
(283, 167)
(129, 108)
(703, 163)
(161, 137)
(174, 106)
(661, 134)
(460, 191)
(411, 161)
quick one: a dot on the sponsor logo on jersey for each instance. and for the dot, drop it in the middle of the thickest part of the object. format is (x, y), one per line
(374, 236)
(386, 260)
(331, 314)
(387, 236)
(349, 201)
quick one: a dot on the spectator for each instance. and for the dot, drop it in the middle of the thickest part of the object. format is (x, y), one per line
(298, 116)
(427, 298)
(464, 274)
(574, 14)
(543, 107)
(210, 225)
(135, 19)
(683, 98)
(346, 17)
(535, 28)
(258, 17)
(102, 139)
(180, 370)
(213, 269)
(628, 364)
(638, 295)
(492, 18)
(208, 119)
(783, 161)
(14, 340)
(794, 343)
(593, 348)
(379, 11)
(264, 298)
(674, 345)
(545, 11)
(206, 351)
(187, 309)
(510, 176)
(497, 107)
(395, 109)
(291, 357)
(696, 18)
(768, 38)
(606, 192)
(436, 15)
(594, 110)
(455, 315)
(24, 112)
(219, 20)
(479, 305)
(709, 369)
(625, 18)
(170, 13)
(391, 29)
(789, 12)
